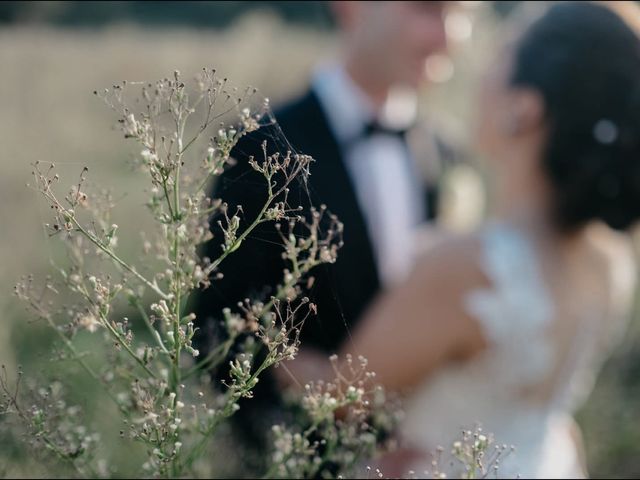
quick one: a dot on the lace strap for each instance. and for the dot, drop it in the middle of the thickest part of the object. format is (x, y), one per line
(516, 310)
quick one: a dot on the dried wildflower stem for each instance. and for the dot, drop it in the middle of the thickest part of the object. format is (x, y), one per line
(261, 216)
(40, 433)
(205, 181)
(125, 345)
(152, 285)
(214, 357)
(69, 216)
(230, 407)
(209, 120)
(259, 219)
(177, 344)
(76, 356)
(221, 351)
(167, 197)
(175, 376)
(104, 321)
(328, 443)
(154, 333)
(228, 410)
(153, 395)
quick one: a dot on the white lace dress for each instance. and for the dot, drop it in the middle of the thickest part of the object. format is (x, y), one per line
(488, 390)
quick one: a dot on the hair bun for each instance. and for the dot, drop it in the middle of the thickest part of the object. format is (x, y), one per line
(591, 89)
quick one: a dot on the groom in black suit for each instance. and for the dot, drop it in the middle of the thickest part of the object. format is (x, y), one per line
(354, 121)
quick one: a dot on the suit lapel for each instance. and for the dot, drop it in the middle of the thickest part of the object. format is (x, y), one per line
(331, 184)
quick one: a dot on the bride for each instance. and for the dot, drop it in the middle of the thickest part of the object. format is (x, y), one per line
(507, 326)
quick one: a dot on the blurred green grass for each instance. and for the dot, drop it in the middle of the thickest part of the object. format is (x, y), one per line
(49, 113)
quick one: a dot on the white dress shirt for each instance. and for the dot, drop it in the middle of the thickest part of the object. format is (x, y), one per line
(384, 176)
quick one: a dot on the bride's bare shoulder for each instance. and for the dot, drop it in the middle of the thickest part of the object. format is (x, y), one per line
(616, 257)
(614, 249)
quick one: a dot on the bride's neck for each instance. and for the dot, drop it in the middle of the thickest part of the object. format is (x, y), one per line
(523, 196)
(519, 203)
(526, 202)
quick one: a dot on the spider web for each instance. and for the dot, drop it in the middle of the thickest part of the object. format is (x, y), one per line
(278, 142)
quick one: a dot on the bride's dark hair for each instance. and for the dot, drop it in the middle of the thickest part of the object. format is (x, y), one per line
(585, 62)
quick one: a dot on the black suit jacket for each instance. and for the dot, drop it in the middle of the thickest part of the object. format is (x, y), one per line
(341, 291)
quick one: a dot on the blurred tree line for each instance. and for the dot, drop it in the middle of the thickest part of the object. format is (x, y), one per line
(199, 14)
(218, 14)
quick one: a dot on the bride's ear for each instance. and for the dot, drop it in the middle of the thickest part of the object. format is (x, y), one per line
(525, 112)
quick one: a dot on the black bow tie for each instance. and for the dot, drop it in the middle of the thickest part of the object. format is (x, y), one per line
(375, 128)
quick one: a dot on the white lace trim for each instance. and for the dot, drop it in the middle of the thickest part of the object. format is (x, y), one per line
(516, 311)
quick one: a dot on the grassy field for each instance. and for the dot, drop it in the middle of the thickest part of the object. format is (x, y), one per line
(49, 113)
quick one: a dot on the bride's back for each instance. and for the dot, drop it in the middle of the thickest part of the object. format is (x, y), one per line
(589, 281)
